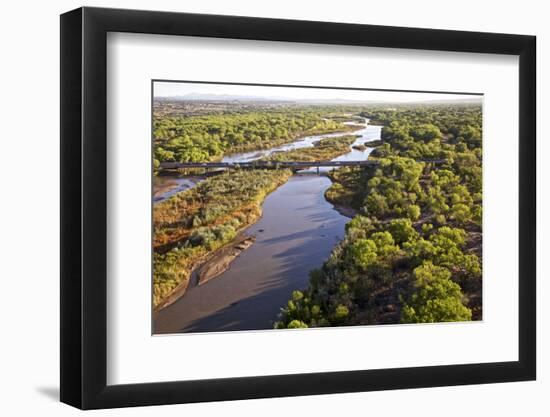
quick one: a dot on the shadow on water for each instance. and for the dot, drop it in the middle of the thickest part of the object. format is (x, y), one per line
(241, 315)
(258, 312)
(303, 235)
(289, 244)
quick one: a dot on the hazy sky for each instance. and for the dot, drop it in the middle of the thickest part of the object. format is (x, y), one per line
(170, 89)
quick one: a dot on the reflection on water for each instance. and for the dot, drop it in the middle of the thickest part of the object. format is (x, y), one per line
(306, 142)
(366, 135)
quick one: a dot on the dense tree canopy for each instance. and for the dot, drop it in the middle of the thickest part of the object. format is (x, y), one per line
(209, 137)
(413, 253)
(436, 299)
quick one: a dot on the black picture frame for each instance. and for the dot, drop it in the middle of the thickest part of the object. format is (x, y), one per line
(84, 207)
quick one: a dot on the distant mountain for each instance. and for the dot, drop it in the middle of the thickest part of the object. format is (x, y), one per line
(221, 97)
(280, 99)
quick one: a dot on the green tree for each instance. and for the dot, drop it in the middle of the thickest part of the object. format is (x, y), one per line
(413, 212)
(436, 298)
(461, 213)
(402, 230)
(385, 246)
(341, 313)
(297, 324)
(363, 253)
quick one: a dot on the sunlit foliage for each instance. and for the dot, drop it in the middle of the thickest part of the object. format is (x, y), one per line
(413, 253)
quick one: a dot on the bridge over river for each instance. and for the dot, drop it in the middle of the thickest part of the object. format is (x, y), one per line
(279, 164)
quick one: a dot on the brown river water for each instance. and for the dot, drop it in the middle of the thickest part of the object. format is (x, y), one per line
(296, 233)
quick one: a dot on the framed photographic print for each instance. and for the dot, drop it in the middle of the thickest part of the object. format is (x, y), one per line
(256, 208)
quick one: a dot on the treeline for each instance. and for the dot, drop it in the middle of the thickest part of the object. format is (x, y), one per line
(195, 222)
(209, 137)
(413, 254)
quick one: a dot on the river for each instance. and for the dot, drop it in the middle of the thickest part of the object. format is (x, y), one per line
(165, 186)
(296, 233)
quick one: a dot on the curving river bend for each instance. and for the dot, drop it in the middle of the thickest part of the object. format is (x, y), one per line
(296, 233)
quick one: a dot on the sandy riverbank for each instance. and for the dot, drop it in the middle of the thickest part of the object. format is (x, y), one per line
(221, 259)
(296, 233)
(211, 266)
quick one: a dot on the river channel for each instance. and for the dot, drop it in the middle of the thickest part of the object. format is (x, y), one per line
(296, 233)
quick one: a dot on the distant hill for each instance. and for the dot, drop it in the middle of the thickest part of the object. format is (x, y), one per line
(222, 97)
(206, 97)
